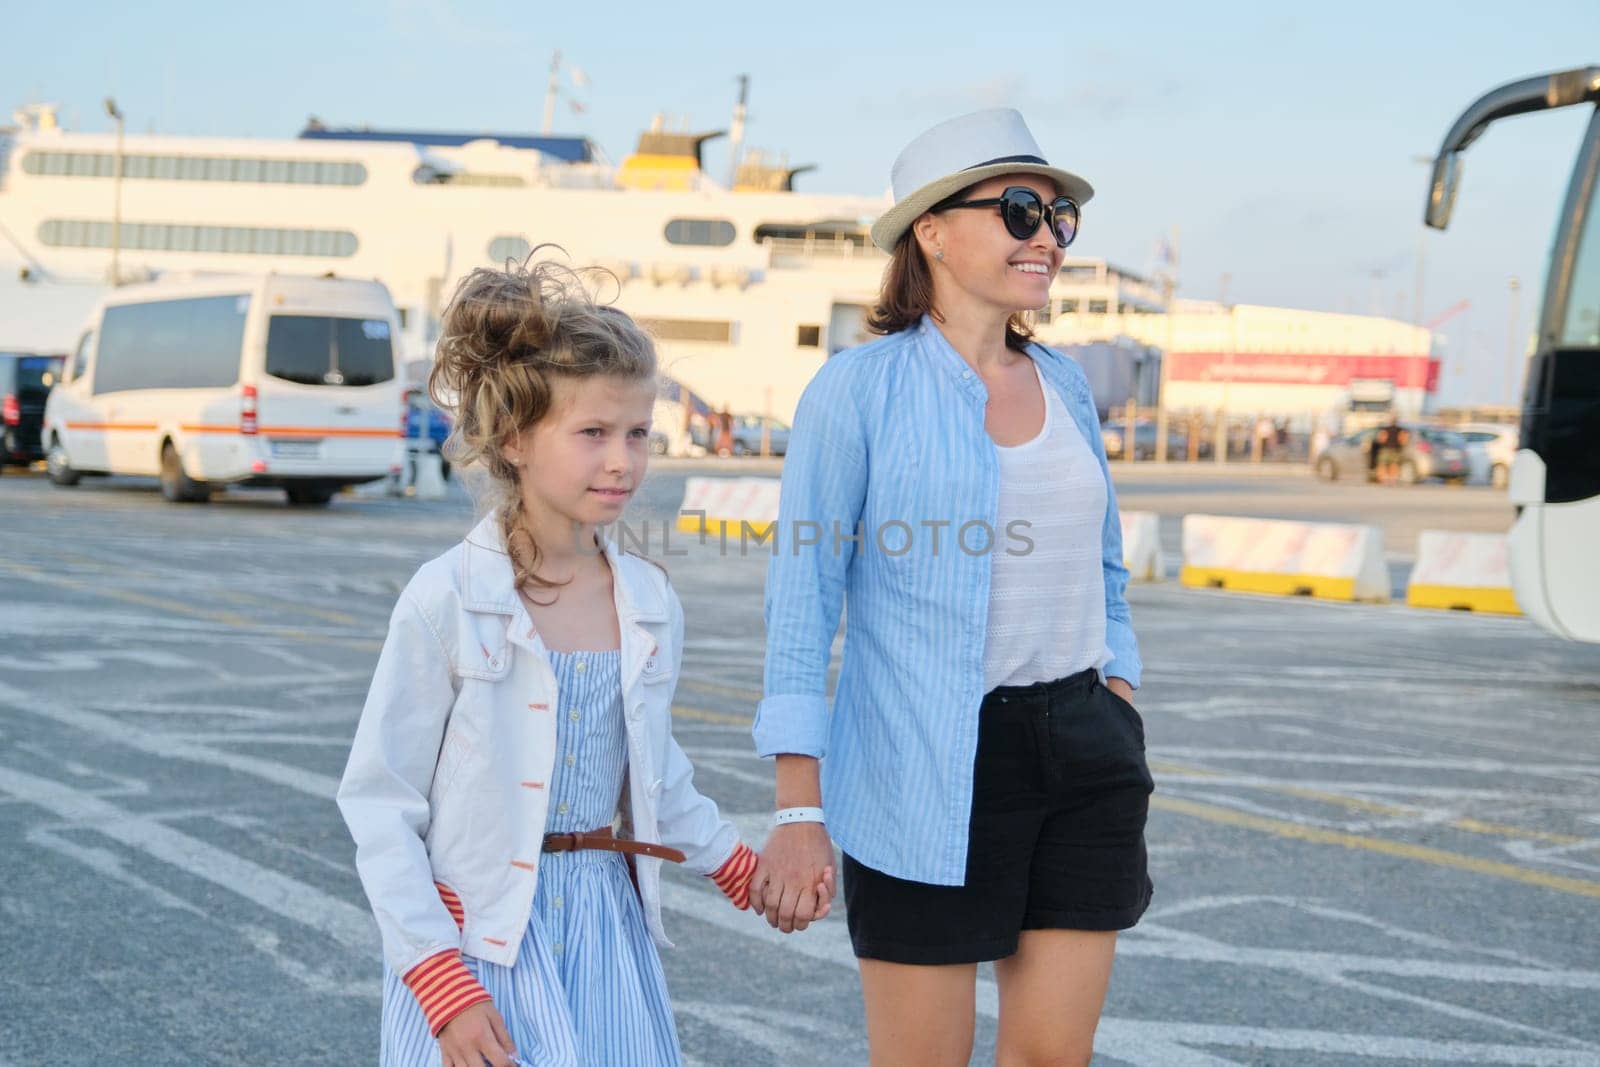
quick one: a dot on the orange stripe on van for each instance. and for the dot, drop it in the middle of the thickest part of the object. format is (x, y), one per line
(329, 431)
(148, 427)
(210, 429)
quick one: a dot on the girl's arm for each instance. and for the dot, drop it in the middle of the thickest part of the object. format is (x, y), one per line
(384, 799)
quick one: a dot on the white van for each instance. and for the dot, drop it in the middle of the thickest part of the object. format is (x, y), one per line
(277, 380)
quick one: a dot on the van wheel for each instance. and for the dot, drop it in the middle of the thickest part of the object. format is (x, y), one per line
(313, 496)
(177, 486)
(1500, 476)
(61, 472)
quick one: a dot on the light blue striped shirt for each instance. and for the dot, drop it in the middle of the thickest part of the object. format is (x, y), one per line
(890, 494)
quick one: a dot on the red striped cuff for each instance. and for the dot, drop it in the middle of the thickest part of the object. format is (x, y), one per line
(733, 877)
(444, 988)
(452, 903)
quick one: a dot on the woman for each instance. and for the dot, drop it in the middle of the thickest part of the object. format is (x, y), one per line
(983, 767)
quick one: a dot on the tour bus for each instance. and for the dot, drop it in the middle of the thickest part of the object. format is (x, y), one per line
(1555, 478)
(273, 380)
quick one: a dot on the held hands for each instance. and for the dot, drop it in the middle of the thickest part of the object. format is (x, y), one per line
(793, 884)
(477, 1036)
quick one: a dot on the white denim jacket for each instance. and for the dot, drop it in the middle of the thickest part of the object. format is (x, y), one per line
(447, 775)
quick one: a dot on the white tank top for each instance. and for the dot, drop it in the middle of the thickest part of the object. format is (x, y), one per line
(1047, 603)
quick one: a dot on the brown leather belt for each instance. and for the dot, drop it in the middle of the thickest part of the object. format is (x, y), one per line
(604, 840)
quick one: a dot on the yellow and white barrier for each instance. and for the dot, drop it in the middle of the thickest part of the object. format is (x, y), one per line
(1141, 546)
(727, 503)
(1462, 572)
(1332, 561)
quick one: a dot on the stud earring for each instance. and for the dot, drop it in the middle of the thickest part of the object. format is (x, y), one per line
(939, 255)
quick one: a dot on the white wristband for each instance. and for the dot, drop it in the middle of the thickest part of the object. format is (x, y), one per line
(789, 815)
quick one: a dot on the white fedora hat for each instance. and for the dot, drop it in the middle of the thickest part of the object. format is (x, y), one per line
(960, 153)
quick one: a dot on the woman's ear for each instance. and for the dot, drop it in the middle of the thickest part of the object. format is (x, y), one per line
(926, 232)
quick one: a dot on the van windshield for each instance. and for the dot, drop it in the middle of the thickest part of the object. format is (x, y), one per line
(329, 350)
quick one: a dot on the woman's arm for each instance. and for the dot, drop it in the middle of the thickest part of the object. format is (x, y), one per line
(1125, 663)
(824, 490)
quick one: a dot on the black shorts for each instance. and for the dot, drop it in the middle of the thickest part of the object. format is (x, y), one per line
(1060, 794)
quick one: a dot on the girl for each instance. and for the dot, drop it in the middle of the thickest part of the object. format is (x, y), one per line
(524, 689)
(985, 771)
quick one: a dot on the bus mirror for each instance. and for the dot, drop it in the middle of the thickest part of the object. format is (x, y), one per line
(1442, 193)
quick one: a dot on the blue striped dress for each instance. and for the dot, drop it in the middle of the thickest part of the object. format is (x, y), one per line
(587, 987)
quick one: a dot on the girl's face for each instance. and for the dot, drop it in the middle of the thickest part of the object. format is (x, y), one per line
(982, 261)
(585, 459)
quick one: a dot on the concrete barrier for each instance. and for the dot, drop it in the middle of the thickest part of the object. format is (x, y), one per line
(430, 476)
(1462, 572)
(1331, 561)
(727, 503)
(1141, 546)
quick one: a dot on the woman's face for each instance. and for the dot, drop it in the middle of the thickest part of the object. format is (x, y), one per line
(982, 261)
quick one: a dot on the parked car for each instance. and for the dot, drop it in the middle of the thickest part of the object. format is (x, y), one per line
(25, 381)
(427, 427)
(1429, 452)
(1114, 432)
(1491, 446)
(747, 435)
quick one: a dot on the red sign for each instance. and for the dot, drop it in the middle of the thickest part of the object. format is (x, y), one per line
(1304, 368)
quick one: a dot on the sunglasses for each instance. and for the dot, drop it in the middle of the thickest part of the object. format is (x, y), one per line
(1023, 210)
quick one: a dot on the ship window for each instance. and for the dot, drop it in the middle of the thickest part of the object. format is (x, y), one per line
(179, 237)
(808, 336)
(709, 330)
(1069, 307)
(193, 168)
(1098, 307)
(718, 232)
(513, 248)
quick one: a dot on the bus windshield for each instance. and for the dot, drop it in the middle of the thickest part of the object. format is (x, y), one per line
(1580, 322)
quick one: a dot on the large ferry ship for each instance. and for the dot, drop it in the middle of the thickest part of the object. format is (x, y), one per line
(748, 284)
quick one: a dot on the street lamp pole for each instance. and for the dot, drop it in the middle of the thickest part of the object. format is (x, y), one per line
(116, 185)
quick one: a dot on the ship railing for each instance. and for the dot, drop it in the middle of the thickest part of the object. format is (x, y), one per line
(782, 251)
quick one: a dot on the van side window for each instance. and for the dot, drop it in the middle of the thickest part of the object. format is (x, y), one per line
(80, 358)
(171, 344)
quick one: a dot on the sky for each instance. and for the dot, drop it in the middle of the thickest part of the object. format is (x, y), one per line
(1278, 143)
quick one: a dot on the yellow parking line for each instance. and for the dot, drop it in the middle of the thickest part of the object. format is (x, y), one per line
(721, 718)
(338, 618)
(1377, 807)
(144, 600)
(1420, 853)
(178, 607)
(735, 692)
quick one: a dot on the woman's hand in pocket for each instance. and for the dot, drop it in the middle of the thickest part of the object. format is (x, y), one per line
(1121, 687)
